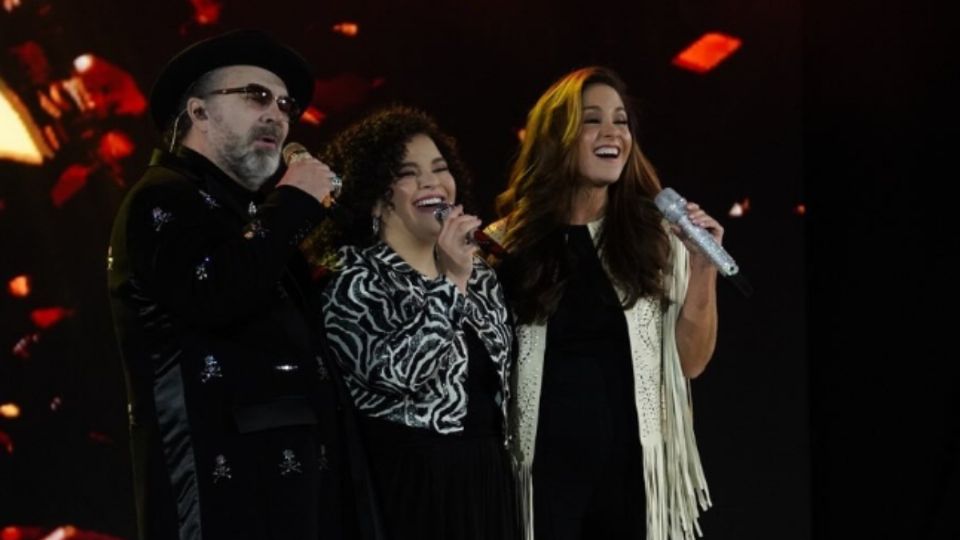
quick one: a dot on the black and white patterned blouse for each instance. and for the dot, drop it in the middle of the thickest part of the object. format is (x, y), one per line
(400, 337)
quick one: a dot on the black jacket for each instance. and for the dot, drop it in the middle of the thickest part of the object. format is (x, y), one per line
(209, 297)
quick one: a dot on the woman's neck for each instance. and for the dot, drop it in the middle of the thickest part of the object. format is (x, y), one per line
(418, 255)
(589, 204)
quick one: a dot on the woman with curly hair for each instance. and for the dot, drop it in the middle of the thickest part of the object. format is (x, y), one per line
(614, 316)
(419, 326)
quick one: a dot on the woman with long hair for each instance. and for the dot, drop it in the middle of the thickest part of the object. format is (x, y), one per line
(615, 311)
(420, 328)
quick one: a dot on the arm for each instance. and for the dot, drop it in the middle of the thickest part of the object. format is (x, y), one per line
(697, 327)
(387, 338)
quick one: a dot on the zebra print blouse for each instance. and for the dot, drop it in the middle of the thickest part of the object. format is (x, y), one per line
(400, 337)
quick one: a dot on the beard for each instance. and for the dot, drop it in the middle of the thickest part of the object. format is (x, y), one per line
(250, 165)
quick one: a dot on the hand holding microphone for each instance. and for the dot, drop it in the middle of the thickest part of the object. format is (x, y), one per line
(475, 236)
(675, 208)
(455, 251)
(309, 174)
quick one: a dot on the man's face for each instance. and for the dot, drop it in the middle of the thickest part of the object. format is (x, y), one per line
(245, 132)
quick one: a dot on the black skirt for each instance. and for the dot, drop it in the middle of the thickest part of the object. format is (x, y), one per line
(447, 487)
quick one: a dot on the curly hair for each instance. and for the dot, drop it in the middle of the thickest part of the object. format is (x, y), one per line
(368, 155)
(633, 243)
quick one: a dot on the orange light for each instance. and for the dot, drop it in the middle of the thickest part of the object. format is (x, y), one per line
(313, 116)
(349, 29)
(9, 5)
(521, 133)
(115, 145)
(20, 138)
(800, 209)
(19, 286)
(9, 410)
(708, 51)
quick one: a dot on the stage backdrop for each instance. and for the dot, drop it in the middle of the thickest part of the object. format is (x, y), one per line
(74, 76)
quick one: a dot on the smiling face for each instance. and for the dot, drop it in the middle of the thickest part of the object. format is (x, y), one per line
(422, 183)
(243, 136)
(605, 139)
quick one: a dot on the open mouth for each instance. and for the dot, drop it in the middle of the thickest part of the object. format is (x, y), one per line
(606, 152)
(268, 140)
(429, 203)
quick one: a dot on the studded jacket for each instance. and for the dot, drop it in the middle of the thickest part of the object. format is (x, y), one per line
(208, 294)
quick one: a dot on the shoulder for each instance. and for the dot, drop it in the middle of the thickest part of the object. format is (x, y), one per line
(355, 264)
(160, 184)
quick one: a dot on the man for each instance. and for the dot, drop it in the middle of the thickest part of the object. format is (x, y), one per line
(232, 413)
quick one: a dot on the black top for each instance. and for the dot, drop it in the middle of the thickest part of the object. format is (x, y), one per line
(587, 394)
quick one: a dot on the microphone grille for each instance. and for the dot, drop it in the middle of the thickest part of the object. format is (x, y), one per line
(671, 204)
(441, 212)
(292, 149)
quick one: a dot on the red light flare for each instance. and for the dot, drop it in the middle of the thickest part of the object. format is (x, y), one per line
(347, 28)
(800, 209)
(19, 286)
(7, 444)
(114, 146)
(708, 51)
(47, 317)
(70, 182)
(206, 12)
(313, 116)
(104, 88)
(10, 533)
(33, 60)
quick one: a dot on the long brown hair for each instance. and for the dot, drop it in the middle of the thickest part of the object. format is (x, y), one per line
(539, 198)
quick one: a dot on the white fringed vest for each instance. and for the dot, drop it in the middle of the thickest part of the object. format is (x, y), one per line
(675, 484)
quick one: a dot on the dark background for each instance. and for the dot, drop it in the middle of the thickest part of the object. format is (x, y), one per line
(829, 410)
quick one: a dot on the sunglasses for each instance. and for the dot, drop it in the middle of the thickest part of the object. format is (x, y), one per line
(262, 97)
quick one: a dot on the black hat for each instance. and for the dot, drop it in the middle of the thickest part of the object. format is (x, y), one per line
(238, 47)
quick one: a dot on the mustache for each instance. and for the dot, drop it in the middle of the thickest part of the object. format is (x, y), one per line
(274, 132)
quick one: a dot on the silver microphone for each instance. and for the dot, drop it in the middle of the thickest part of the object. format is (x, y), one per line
(674, 208)
(476, 236)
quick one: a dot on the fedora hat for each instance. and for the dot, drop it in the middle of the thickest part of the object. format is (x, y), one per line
(237, 47)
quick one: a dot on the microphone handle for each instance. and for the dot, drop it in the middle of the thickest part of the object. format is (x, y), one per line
(487, 244)
(709, 246)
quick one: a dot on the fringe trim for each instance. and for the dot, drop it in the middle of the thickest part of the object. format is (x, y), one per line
(523, 480)
(688, 492)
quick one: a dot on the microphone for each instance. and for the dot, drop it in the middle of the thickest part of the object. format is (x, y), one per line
(476, 236)
(293, 152)
(674, 208)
